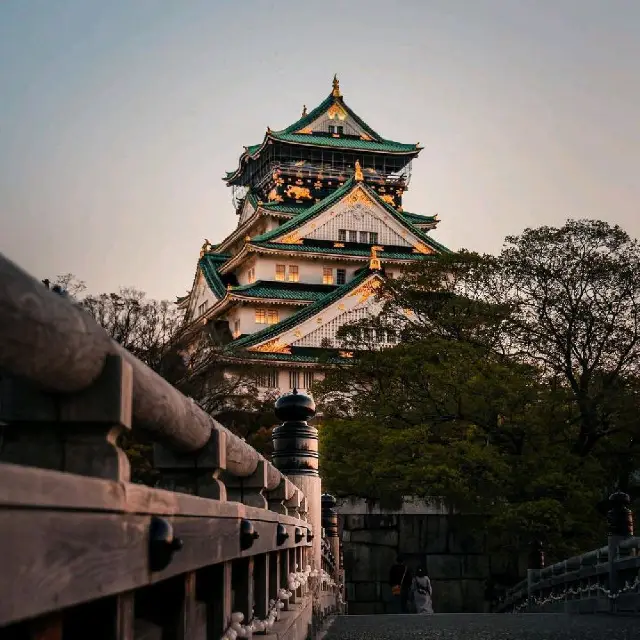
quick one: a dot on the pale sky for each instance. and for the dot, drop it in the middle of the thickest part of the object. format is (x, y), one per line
(118, 119)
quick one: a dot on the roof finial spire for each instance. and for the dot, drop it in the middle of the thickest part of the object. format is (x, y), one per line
(336, 87)
(304, 110)
(374, 261)
(206, 246)
(358, 176)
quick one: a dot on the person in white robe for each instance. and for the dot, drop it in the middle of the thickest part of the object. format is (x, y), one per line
(421, 592)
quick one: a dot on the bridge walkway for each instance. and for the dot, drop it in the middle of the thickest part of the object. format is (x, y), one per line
(462, 626)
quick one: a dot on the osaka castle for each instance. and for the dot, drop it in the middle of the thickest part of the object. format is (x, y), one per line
(320, 225)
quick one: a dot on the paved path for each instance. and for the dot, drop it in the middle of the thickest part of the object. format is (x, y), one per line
(532, 626)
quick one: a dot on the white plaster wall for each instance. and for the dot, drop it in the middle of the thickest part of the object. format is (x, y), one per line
(247, 316)
(202, 294)
(310, 270)
(283, 381)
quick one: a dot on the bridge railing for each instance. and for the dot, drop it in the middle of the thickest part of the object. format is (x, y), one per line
(228, 544)
(606, 579)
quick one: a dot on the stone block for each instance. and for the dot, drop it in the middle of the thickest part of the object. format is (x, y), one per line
(385, 592)
(466, 534)
(381, 521)
(367, 592)
(384, 537)
(475, 567)
(473, 596)
(365, 563)
(444, 567)
(354, 522)
(410, 534)
(447, 596)
(434, 538)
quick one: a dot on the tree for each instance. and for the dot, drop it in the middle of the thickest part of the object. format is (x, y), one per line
(512, 390)
(575, 297)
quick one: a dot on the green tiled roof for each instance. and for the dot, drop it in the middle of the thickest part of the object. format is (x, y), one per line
(321, 108)
(210, 263)
(284, 208)
(345, 143)
(299, 316)
(345, 251)
(288, 134)
(418, 218)
(283, 290)
(307, 213)
(317, 208)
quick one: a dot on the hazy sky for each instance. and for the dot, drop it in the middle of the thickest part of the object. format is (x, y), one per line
(118, 119)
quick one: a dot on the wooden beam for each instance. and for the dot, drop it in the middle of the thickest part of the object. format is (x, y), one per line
(58, 559)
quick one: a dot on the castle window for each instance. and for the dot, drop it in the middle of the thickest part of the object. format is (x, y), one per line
(203, 307)
(280, 272)
(268, 379)
(341, 276)
(294, 273)
(236, 328)
(294, 379)
(251, 275)
(364, 237)
(353, 236)
(267, 316)
(307, 379)
(336, 129)
(327, 275)
(373, 237)
(342, 235)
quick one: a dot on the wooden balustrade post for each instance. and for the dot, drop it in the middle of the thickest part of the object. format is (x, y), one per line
(295, 454)
(620, 527)
(76, 433)
(250, 489)
(330, 525)
(195, 473)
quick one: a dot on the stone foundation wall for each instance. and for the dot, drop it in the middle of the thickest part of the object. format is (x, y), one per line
(452, 548)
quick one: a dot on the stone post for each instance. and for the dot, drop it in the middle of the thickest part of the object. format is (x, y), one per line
(295, 454)
(620, 527)
(330, 525)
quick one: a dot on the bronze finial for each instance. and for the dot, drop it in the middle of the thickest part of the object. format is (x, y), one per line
(304, 110)
(336, 87)
(358, 176)
(374, 261)
(268, 129)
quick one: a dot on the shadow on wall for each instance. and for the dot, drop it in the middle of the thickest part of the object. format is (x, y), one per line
(452, 547)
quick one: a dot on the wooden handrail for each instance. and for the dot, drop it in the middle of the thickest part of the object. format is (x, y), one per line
(58, 346)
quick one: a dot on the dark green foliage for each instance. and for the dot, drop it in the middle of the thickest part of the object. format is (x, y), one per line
(513, 392)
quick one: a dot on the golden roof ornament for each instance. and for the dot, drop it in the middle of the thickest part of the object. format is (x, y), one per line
(206, 246)
(247, 238)
(374, 261)
(358, 176)
(268, 129)
(304, 110)
(336, 87)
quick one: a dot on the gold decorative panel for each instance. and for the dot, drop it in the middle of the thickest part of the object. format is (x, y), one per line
(273, 346)
(358, 196)
(335, 110)
(292, 238)
(346, 354)
(422, 248)
(274, 196)
(388, 199)
(366, 290)
(298, 193)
